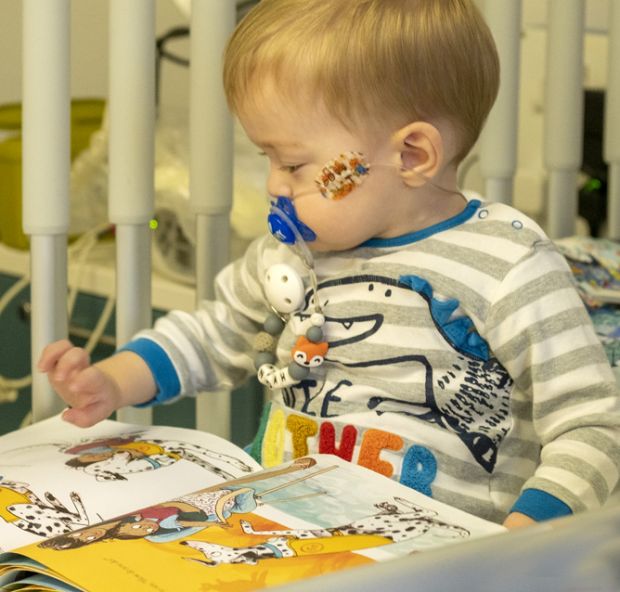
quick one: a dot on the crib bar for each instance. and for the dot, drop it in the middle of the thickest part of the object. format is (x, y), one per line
(131, 165)
(211, 165)
(48, 298)
(563, 112)
(498, 144)
(133, 293)
(613, 201)
(611, 148)
(45, 174)
(213, 410)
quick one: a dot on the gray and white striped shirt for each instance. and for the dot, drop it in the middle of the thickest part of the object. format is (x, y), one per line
(461, 362)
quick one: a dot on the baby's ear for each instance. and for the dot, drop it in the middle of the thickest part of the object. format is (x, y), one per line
(421, 152)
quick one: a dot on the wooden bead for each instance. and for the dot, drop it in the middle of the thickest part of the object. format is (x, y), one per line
(264, 342)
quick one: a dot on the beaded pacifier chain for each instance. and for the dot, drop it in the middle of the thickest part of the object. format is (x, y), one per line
(284, 287)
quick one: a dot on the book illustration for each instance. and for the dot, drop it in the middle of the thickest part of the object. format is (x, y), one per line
(188, 514)
(113, 459)
(152, 529)
(395, 522)
(22, 508)
(106, 460)
(595, 264)
(57, 479)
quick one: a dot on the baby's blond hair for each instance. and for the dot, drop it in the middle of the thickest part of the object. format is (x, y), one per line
(394, 61)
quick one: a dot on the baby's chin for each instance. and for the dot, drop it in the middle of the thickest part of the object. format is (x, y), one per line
(322, 246)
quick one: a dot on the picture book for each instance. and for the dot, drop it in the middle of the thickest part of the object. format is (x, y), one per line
(125, 507)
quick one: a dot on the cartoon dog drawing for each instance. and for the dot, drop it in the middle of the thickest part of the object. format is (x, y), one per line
(397, 522)
(273, 548)
(390, 522)
(42, 517)
(112, 459)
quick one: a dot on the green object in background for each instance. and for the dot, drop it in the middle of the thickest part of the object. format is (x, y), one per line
(86, 118)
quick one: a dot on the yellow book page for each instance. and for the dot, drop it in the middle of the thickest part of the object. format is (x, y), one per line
(140, 565)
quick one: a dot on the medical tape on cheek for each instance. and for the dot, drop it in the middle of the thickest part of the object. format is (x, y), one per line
(342, 175)
(339, 177)
(336, 180)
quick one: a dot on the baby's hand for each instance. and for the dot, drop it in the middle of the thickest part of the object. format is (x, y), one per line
(91, 393)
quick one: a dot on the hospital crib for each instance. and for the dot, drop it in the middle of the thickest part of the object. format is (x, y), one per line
(581, 554)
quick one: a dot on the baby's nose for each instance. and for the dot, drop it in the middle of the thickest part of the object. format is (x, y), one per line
(275, 186)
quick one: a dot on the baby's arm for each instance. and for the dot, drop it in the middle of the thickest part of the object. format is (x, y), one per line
(94, 391)
(569, 402)
(183, 354)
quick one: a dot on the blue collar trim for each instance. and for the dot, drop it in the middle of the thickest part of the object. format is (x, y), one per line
(418, 235)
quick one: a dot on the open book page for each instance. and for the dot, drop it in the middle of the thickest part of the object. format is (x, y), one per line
(56, 478)
(595, 263)
(314, 516)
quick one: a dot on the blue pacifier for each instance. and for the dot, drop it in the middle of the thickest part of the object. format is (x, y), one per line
(285, 225)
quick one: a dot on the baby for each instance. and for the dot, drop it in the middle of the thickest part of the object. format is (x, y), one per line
(430, 337)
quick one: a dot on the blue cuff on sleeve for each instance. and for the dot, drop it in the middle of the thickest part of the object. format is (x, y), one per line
(540, 505)
(160, 365)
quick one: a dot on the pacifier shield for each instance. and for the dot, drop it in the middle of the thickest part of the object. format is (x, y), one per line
(284, 224)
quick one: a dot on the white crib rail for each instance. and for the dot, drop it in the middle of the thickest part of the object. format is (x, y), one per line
(46, 162)
(564, 112)
(612, 123)
(211, 166)
(131, 165)
(498, 144)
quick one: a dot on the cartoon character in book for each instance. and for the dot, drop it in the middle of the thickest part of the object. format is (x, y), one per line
(183, 516)
(395, 522)
(164, 522)
(22, 508)
(188, 514)
(111, 459)
(162, 519)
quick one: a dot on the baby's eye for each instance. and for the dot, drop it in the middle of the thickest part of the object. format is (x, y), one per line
(290, 168)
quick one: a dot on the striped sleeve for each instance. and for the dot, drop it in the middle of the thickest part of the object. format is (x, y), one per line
(566, 391)
(210, 348)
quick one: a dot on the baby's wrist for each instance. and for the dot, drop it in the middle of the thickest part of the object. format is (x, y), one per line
(540, 505)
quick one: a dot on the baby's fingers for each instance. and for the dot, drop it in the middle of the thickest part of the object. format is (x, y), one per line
(73, 360)
(89, 415)
(52, 353)
(92, 396)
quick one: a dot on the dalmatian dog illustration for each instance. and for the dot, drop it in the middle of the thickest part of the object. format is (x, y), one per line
(113, 459)
(392, 522)
(400, 521)
(273, 548)
(42, 517)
